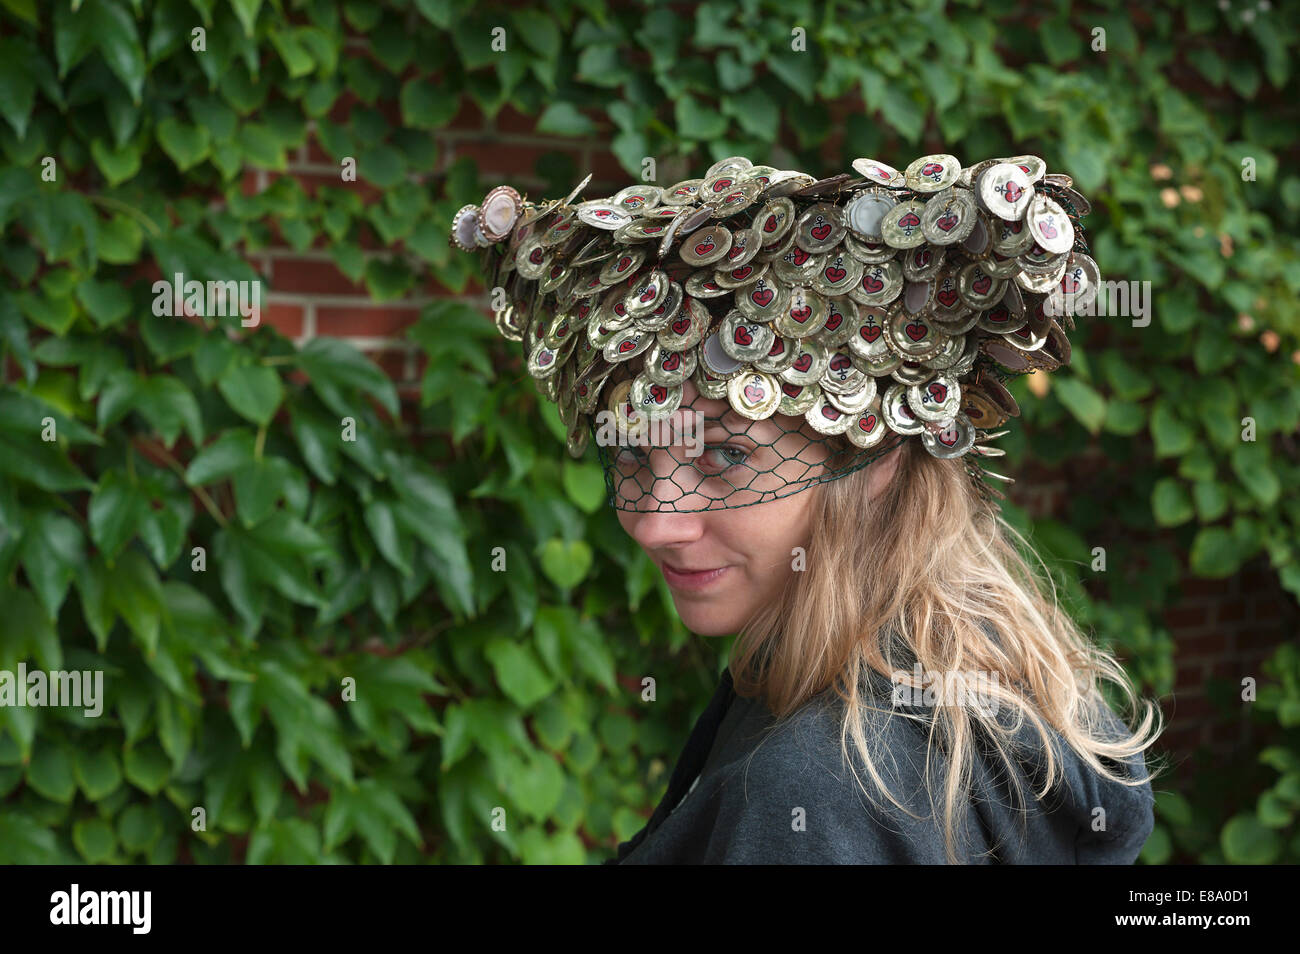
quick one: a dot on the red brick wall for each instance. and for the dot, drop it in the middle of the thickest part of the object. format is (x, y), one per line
(1222, 628)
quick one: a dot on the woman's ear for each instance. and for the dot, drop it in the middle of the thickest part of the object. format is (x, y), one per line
(881, 471)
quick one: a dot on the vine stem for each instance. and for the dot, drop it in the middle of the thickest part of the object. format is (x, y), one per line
(131, 210)
(199, 492)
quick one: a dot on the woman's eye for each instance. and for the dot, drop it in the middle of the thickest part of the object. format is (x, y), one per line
(717, 458)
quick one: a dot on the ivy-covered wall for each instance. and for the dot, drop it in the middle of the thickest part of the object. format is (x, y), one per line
(334, 626)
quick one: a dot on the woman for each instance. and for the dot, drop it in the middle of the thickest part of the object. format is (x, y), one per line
(901, 690)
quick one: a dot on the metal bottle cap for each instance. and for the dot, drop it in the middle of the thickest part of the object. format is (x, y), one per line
(841, 322)
(897, 413)
(879, 173)
(603, 215)
(683, 193)
(1005, 190)
(978, 288)
(855, 401)
(952, 441)
(627, 344)
(948, 218)
(809, 363)
(687, 328)
(901, 226)
(743, 340)
(709, 385)
(638, 198)
(669, 367)
(936, 400)
(533, 259)
(715, 359)
(826, 418)
(869, 253)
(864, 214)
(745, 246)
(763, 301)
(932, 173)
(796, 399)
(704, 284)
(868, 427)
(920, 264)
(879, 284)
(706, 246)
(463, 224)
(804, 316)
(775, 220)
(839, 273)
(666, 312)
(741, 276)
(754, 394)
(542, 361)
(820, 228)
(779, 356)
(841, 374)
(620, 268)
(797, 266)
(912, 336)
(1049, 225)
(648, 294)
(869, 341)
(654, 399)
(500, 210)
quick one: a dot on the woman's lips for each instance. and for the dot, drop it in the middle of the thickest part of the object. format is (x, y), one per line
(692, 580)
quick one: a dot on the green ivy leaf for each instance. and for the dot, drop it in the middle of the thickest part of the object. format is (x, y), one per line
(253, 391)
(566, 563)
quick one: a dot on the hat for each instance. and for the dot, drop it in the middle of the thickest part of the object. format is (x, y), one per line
(877, 306)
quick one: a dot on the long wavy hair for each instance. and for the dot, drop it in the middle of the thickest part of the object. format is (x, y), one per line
(937, 581)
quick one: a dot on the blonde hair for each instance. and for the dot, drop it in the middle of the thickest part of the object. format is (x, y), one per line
(927, 573)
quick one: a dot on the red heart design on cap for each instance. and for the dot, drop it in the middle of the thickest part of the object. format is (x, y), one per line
(722, 185)
(1049, 230)
(819, 232)
(582, 389)
(742, 272)
(905, 411)
(649, 294)
(1011, 192)
(710, 285)
(947, 297)
(798, 256)
(583, 309)
(831, 412)
(624, 262)
(754, 393)
(620, 310)
(947, 222)
(869, 332)
(763, 297)
(839, 362)
(737, 250)
(704, 248)
(916, 331)
(801, 314)
(949, 437)
(778, 347)
(910, 221)
(535, 256)
(563, 330)
(602, 213)
(1070, 283)
(871, 283)
(922, 257)
(1022, 333)
(803, 362)
(659, 393)
(834, 320)
(982, 285)
(545, 358)
(999, 313)
(867, 422)
(835, 275)
(625, 346)
(770, 224)
(938, 391)
(932, 169)
(743, 337)
(681, 326)
(671, 362)
(653, 228)
(793, 390)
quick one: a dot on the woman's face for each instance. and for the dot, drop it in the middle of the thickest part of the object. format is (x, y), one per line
(721, 565)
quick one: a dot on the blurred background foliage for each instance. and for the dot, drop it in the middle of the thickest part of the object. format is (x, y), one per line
(372, 559)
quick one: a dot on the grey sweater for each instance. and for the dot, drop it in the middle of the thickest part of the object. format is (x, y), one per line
(746, 792)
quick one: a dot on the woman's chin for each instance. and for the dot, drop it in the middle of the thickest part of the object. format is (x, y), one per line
(702, 622)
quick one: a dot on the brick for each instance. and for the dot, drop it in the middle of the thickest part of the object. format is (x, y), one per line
(364, 321)
(393, 362)
(1208, 643)
(312, 277)
(287, 319)
(1185, 617)
(469, 117)
(496, 159)
(510, 120)
(1196, 586)
(311, 182)
(248, 182)
(1188, 705)
(1230, 611)
(1189, 673)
